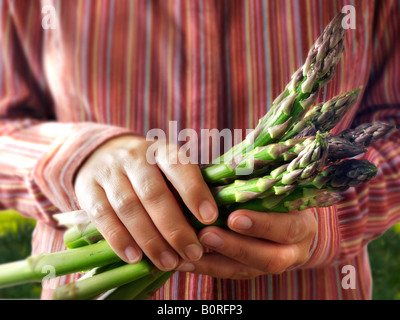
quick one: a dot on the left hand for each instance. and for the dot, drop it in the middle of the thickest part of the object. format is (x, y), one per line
(259, 243)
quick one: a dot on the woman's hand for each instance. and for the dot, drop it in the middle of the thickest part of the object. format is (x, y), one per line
(259, 243)
(129, 202)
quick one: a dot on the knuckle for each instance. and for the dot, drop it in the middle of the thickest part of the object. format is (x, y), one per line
(266, 225)
(109, 160)
(240, 253)
(99, 210)
(174, 235)
(104, 173)
(291, 232)
(128, 156)
(135, 160)
(112, 234)
(295, 229)
(193, 189)
(150, 191)
(240, 273)
(167, 156)
(184, 157)
(152, 198)
(170, 164)
(150, 242)
(125, 203)
(276, 264)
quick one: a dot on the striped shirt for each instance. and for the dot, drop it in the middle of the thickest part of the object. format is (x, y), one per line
(74, 74)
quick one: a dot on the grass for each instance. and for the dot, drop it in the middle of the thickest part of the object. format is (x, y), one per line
(384, 255)
(15, 244)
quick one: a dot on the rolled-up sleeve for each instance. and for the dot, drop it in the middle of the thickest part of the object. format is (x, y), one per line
(38, 155)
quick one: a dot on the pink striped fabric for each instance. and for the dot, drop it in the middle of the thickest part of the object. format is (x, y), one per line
(111, 67)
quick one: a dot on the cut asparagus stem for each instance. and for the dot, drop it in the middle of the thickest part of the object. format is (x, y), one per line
(130, 290)
(35, 268)
(72, 219)
(92, 287)
(150, 290)
(79, 229)
(300, 94)
(76, 237)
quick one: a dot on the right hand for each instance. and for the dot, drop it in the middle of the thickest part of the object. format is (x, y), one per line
(129, 202)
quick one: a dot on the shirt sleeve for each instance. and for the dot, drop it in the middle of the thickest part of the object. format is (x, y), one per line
(38, 155)
(368, 211)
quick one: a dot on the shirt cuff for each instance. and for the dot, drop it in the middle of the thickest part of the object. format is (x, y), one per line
(55, 171)
(325, 247)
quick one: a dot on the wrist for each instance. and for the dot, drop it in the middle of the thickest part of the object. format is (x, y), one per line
(56, 170)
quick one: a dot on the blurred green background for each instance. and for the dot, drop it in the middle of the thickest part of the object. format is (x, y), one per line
(15, 244)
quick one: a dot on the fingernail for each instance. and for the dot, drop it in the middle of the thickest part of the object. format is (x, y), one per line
(132, 255)
(211, 239)
(186, 267)
(168, 260)
(242, 223)
(207, 211)
(193, 252)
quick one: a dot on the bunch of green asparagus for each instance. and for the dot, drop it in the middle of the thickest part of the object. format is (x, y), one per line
(289, 162)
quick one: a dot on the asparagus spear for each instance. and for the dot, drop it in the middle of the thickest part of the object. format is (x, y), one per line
(324, 116)
(256, 159)
(35, 268)
(309, 161)
(326, 199)
(262, 159)
(334, 179)
(323, 191)
(348, 173)
(351, 142)
(91, 287)
(340, 149)
(322, 200)
(300, 94)
(133, 290)
(149, 291)
(318, 193)
(367, 133)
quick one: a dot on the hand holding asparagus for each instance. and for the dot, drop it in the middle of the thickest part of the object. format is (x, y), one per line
(298, 164)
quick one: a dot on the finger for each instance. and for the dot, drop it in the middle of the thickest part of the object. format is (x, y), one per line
(94, 201)
(134, 217)
(166, 214)
(188, 181)
(269, 257)
(219, 266)
(282, 228)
